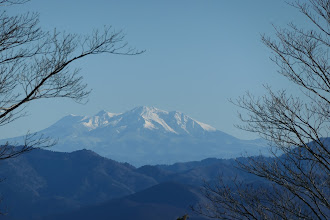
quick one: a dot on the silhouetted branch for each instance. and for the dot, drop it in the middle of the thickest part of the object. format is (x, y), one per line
(296, 128)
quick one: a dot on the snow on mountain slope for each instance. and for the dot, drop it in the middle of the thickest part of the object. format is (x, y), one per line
(147, 135)
(172, 122)
(138, 118)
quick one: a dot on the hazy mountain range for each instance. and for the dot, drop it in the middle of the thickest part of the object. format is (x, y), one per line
(78, 185)
(147, 135)
(46, 185)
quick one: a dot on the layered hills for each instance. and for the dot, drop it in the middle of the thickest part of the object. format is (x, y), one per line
(55, 185)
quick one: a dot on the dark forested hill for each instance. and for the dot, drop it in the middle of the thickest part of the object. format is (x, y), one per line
(164, 201)
(44, 183)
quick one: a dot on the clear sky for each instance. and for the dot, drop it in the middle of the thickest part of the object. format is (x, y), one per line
(199, 54)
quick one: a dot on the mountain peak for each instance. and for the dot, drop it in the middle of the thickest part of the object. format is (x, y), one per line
(101, 113)
(173, 121)
(145, 135)
(104, 113)
(146, 110)
(142, 117)
(153, 118)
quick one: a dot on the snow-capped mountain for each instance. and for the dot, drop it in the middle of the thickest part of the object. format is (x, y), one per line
(148, 118)
(147, 135)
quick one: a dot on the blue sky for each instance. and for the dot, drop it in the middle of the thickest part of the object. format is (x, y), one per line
(199, 54)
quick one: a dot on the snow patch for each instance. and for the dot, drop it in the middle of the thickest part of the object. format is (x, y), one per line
(115, 122)
(150, 114)
(149, 125)
(91, 124)
(206, 127)
(110, 115)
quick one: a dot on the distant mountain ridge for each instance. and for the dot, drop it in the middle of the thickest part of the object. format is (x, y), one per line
(149, 118)
(45, 183)
(147, 135)
(162, 202)
(42, 182)
(81, 185)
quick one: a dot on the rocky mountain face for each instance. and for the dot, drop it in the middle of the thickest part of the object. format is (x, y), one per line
(147, 135)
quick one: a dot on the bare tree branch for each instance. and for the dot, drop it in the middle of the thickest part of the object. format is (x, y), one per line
(296, 127)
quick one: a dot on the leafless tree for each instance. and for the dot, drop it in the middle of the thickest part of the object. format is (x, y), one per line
(35, 64)
(298, 175)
